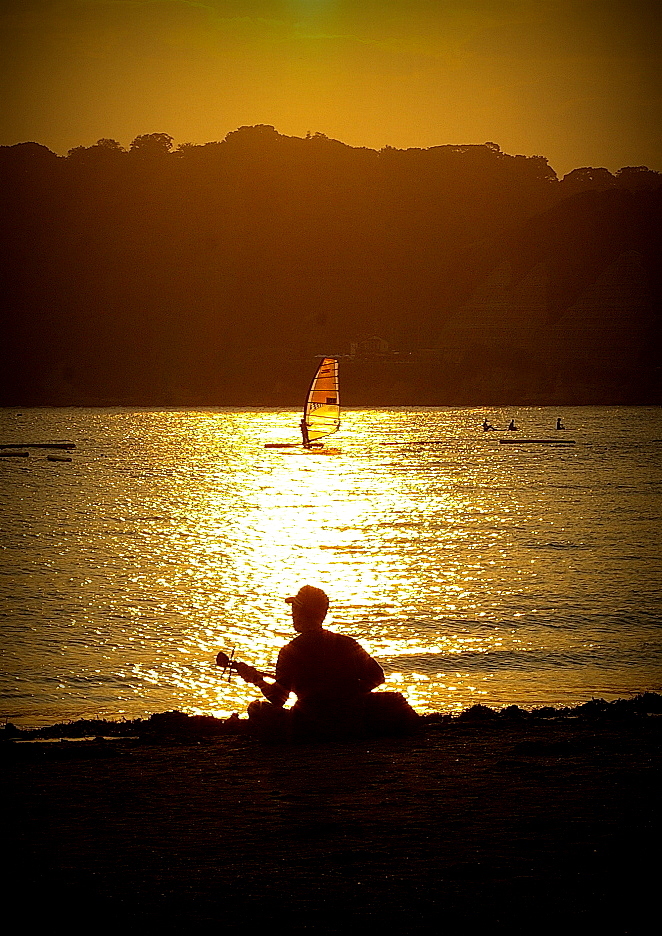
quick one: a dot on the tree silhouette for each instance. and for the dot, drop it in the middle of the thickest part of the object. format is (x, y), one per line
(151, 144)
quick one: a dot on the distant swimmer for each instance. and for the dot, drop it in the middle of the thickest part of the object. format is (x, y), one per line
(559, 423)
(487, 426)
(512, 426)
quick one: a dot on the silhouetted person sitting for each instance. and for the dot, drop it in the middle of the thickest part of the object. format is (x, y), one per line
(512, 426)
(332, 677)
(487, 426)
(559, 424)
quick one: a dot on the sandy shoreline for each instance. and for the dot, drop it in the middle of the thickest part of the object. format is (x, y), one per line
(516, 824)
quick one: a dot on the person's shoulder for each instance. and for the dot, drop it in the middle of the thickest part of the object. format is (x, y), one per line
(321, 636)
(289, 648)
(342, 640)
(303, 641)
(337, 638)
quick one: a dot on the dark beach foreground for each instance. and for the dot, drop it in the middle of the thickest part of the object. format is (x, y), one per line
(514, 822)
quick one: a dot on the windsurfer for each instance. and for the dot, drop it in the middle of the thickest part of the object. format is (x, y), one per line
(321, 411)
(332, 677)
(304, 433)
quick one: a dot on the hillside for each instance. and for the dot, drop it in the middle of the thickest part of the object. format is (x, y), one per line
(214, 274)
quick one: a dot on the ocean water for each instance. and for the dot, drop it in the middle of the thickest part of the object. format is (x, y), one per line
(474, 571)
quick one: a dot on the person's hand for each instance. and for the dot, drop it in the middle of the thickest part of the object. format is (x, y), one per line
(248, 673)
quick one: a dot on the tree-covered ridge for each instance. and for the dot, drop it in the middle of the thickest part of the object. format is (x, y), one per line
(264, 142)
(162, 274)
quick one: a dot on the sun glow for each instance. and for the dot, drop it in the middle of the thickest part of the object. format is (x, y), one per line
(322, 517)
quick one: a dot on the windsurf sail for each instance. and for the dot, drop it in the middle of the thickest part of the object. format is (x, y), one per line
(321, 411)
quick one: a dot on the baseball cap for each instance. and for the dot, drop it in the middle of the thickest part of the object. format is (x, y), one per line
(310, 599)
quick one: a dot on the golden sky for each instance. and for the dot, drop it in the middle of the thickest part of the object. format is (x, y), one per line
(573, 80)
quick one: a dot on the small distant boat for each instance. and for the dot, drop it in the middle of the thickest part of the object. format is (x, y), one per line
(321, 410)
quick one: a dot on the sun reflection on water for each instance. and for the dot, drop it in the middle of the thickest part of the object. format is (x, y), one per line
(472, 572)
(358, 527)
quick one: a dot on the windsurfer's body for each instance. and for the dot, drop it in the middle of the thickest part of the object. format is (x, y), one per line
(304, 433)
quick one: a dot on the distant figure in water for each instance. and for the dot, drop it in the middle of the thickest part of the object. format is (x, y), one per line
(512, 426)
(332, 677)
(487, 426)
(559, 423)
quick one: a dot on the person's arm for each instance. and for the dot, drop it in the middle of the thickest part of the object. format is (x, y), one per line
(369, 671)
(373, 675)
(273, 691)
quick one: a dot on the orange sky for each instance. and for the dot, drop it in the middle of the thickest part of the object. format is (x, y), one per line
(573, 80)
